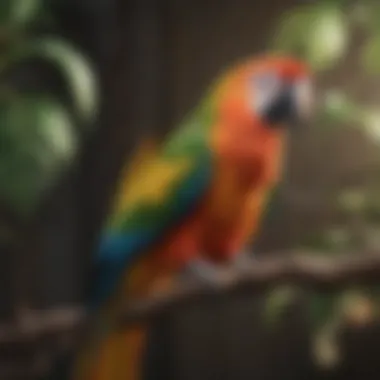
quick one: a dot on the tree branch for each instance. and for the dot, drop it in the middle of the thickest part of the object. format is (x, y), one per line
(312, 271)
(30, 326)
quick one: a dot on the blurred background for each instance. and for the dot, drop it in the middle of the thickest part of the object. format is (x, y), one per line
(82, 80)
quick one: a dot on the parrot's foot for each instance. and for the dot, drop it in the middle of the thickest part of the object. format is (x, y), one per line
(244, 261)
(205, 272)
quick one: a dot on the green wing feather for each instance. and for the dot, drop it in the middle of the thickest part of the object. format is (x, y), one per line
(161, 188)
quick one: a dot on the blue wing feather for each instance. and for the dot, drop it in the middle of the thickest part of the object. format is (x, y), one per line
(117, 251)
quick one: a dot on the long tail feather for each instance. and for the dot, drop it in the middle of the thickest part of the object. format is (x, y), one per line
(117, 354)
(122, 354)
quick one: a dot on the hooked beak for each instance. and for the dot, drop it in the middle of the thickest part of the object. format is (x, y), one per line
(292, 106)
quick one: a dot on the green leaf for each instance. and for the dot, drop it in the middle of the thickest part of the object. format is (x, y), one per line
(18, 13)
(277, 301)
(366, 15)
(372, 213)
(338, 238)
(325, 346)
(327, 37)
(75, 68)
(361, 14)
(319, 33)
(370, 55)
(337, 107)
(321, 308)
(371, 123)
(333, 240)
(353, 200)
(290, 35)
(37, 142)
(329, 313)
(324, 317)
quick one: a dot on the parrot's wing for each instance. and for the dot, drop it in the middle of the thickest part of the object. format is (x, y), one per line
(160, 189)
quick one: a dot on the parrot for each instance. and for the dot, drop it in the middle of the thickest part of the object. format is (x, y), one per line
(193, 200)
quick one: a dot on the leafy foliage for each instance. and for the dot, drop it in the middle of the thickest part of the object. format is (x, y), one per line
(323, 33)
(16, 14)
(38, 132)
(76, 70)
(318, 32)
(47, 142)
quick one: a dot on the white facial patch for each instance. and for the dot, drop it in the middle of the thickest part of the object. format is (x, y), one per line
(263, 89)
(303, 91)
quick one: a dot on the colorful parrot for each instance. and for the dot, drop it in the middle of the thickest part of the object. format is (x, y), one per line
(195, 198)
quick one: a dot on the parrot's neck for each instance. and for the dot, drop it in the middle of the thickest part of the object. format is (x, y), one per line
(253, 155)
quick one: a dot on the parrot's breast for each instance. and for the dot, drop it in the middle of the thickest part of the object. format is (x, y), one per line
(237, 200)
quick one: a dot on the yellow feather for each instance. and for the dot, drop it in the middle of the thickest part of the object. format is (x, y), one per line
(148, 177)
(151, 181)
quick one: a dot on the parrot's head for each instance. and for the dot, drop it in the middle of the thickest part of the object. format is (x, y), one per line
(279, 91)
(255, 105)
(270, 91)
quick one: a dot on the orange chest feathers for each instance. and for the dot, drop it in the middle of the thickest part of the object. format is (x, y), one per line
(236, 202)
(230, 212)
(237, 189)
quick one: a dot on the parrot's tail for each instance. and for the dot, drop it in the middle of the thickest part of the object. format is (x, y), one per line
(119, 357)
(111, 353)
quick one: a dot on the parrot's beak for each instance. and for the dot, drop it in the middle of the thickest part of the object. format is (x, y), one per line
(282, 109)
(292, 106)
